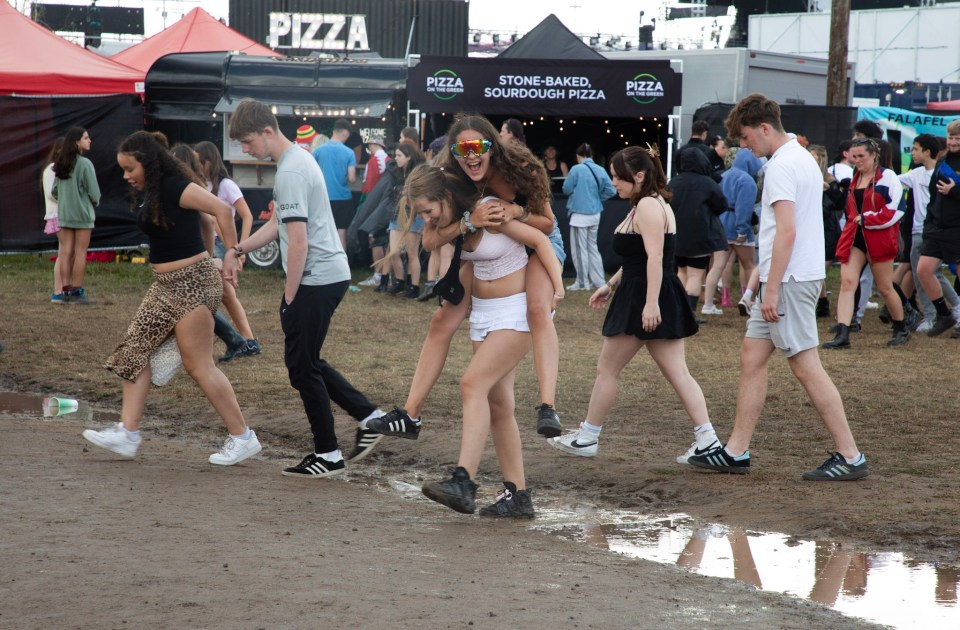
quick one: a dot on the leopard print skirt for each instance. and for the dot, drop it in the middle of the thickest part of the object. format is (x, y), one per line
(169, 299)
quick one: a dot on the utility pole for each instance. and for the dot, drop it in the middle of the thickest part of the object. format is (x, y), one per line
(837, 61)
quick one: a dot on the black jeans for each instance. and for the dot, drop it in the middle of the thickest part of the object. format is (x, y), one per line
(305, 324)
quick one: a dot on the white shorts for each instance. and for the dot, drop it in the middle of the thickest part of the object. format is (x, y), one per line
(506, 313)
(797, 307)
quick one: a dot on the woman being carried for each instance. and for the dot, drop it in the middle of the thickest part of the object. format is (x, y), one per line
(500, 335)
(649, 309)
(510, 172)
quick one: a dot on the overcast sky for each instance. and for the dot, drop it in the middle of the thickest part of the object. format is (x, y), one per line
(608, 17)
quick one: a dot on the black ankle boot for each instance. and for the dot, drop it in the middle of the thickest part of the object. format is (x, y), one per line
(384, 284)
(841, 341)
(823, 307)
(398, 287)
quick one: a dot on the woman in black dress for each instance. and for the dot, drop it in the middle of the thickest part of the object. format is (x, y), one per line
(650, 306)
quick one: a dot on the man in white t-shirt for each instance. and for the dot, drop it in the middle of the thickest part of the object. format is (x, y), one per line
(317, 277)
(791, 250)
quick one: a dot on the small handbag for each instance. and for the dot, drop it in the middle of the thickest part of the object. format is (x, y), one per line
(449, 286)
(165, 361)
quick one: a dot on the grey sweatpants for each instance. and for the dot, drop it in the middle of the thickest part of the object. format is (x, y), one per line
(586, 257)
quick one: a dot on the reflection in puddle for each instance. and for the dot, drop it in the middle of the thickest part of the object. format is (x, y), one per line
(887, 588)
(30, 406)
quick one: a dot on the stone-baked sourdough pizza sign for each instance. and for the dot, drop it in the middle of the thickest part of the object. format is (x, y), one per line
(545, 87)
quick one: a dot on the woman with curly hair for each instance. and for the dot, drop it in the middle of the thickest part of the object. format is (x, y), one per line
(186, 292)
(77, 193)
(518, 183)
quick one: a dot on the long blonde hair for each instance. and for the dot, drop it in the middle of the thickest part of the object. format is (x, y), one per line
(819, 153)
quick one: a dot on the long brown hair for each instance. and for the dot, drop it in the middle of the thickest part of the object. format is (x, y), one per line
(518, 166)
(157, 163)
(633, 160)
(63, 166)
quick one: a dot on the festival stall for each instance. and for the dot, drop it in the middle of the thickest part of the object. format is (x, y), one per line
(48, 85)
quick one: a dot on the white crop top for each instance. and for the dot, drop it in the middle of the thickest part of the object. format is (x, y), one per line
(496, 256)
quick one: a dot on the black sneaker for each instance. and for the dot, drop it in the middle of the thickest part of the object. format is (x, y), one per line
(230, 354)
(836, 468)
(366, 440)
(510, 503)
(396, 423)
(251, 348)
(548, 422)
(457, 493)
(941, 324)
(79, 296)
(412, 292)
(428, 293)
(912, 319)
(315, 467)
(899, 338)
(718, 459)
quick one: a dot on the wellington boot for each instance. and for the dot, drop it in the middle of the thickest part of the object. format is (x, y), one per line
(841, 341)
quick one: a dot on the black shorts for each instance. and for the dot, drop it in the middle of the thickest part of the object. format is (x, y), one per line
(697, 262)
(945, 250)
(343, 213)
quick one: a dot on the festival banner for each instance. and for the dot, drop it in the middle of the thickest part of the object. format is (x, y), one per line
(903, 125)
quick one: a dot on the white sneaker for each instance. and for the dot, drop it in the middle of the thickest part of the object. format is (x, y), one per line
(235, 450)
(372, 281)
(113, 439)
(872, 306)
(701, 445)
(577, 287)
(710, 309)
(924, 326)
(575, 442)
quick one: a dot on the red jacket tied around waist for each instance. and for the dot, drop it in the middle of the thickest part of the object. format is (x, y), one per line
(879, 216)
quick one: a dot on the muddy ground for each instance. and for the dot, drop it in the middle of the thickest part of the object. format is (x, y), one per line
(149, 540)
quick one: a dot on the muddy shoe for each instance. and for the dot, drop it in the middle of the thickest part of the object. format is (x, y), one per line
(941, 324)
(548, 422)
(719, 460)
(396, 423)
(576, 442)
(366, 440)
(457, 493)
(511, 503)
(836, 468)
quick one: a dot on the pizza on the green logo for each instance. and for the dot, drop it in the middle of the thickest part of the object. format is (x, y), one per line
(645, 88)
(444, 84)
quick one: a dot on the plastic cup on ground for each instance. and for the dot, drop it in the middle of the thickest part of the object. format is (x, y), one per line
(59, 406)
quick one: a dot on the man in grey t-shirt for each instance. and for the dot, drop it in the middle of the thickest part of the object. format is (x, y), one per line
(317, 279)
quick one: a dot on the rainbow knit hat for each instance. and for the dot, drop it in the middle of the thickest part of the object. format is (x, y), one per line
(306, 134)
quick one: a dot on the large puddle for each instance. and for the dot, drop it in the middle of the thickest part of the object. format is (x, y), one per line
(886, 587)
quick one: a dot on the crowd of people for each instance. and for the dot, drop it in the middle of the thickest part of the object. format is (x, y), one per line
(775, 207)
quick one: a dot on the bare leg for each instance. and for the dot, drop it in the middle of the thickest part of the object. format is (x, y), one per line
(67, 239)
(826, 399)
(81, 243)
(546, 344)
(195, 340)
(412, 246)
(745, 256)
(506, 434)
(926, 270)
(849, 281)
(493, 359)
(883, 280)
(396, 262)
(754, 355)
(669, 356)
(58, 266)
(719, 261)
(239, 316)
(616, 353)
(134, 399)
(444, 324)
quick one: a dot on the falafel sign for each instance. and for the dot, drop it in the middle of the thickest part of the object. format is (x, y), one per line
(545, 87)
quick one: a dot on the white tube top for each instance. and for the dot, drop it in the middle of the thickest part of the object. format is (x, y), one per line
(496, 256)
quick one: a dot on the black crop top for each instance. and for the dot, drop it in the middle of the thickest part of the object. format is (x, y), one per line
(182, 239)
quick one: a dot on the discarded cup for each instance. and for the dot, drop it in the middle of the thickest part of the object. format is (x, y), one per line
(63, 405)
